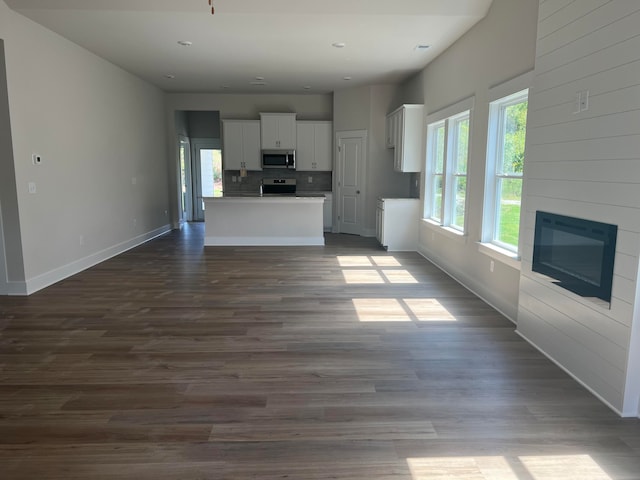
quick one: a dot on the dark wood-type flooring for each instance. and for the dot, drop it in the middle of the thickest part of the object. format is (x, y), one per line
(174, 361)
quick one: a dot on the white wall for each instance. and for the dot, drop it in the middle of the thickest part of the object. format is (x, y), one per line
(496, 49)
(96, 128)
(587, 165)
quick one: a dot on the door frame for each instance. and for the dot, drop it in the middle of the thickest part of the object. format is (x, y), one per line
(340, 136)
(196, 187)
(184, 215)
(4, 281)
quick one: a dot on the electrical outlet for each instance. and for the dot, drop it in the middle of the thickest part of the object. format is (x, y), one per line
(36, 159)
(135, 222)
(584, 100)
(491, 266)
(32, 187)
(310, 179)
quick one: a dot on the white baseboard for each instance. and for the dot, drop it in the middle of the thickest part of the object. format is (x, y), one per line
(17, 288)
(263, 241)
(44, 280)
(463, 280)
(568, 372)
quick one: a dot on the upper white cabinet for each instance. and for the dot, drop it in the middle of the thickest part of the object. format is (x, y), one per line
(314, 146)
(404, 134)
(241, 144)
(278, 131)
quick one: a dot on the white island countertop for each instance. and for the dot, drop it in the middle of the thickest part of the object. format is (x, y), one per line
(254, 220)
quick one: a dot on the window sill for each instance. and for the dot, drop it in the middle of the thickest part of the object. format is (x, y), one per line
(448, 232)
(500, 254)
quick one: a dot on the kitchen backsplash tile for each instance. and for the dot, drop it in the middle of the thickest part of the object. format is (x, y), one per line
(322, 181)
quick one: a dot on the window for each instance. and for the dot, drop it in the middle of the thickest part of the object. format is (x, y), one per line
(505, 162)
(436, 136)
(447, 153)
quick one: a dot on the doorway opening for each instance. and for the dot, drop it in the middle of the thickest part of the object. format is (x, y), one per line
(206, 175)
(199, 161)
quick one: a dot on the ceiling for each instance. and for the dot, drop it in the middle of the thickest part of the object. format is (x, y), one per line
(260, 46)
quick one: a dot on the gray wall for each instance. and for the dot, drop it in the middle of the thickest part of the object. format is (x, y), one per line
(11, 264)
(365, 108)
(496, 49)
(102, 186)
(204, 124)
(587, 165)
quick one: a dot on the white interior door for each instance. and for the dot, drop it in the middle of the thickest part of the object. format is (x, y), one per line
(351, 156)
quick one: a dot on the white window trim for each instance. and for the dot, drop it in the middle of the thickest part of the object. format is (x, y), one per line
(450, 173)
(488, 245)
(430, 170)
(443, 116)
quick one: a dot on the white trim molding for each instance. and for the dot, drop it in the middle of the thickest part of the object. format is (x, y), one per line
(47, 279)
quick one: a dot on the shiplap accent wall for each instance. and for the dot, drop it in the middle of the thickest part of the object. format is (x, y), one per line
(586, 165)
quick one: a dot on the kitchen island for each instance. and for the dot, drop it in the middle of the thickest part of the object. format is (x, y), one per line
(252, 220)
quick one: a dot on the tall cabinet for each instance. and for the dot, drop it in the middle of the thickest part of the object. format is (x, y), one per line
(314, 146)
(405, 135)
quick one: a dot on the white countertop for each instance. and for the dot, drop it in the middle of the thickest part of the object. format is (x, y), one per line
(267, 199)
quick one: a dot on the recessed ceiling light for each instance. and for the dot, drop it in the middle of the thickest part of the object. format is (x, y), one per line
(347, 78)
(422, 47)
(224, 87)
(170, 76)
(339, 44)
(185, 43)
(307, 87)
(258, 83)
(259, 79)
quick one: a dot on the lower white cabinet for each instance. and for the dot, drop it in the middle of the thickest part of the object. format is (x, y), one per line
(241, 144)
(327, 212)
(397, 221)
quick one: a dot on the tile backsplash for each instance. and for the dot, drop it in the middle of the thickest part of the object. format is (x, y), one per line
(321, 181)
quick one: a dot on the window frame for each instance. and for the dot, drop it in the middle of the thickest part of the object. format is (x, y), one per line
(449, 118)
(501, 97)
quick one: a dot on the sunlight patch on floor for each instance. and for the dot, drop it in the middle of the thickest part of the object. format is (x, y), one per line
(401, 310)
(542, 467)
(354, 261)
(362, 276)
(563, 467)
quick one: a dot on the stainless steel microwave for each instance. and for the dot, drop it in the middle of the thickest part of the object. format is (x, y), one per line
(279, 159)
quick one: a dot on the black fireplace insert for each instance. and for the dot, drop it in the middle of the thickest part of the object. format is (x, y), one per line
(578, 254)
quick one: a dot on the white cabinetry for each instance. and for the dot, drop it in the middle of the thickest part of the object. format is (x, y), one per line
(404, 134)
(278, 131)
(314, 146)
(241, 144)
(397, 221)
(327, 212)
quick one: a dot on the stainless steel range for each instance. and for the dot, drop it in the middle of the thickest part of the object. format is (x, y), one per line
(278, 186)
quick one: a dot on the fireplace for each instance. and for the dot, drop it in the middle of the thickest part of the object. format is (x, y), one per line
(577, 254)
